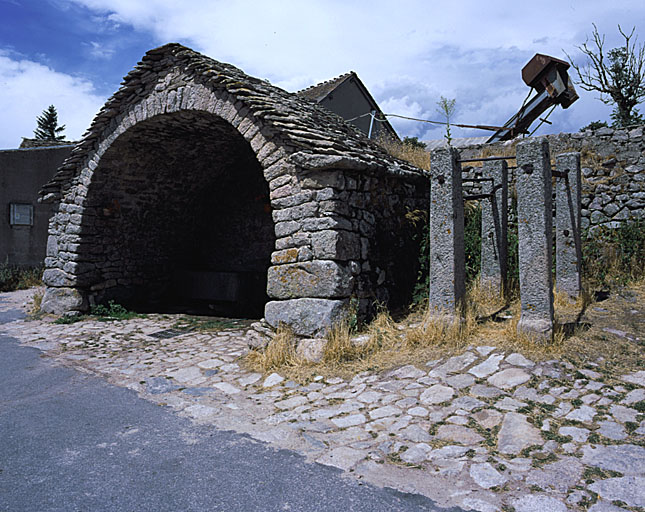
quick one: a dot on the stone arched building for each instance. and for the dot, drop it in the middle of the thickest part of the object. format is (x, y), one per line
(198, 182)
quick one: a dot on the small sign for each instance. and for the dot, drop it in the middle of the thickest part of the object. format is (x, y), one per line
(21, 215)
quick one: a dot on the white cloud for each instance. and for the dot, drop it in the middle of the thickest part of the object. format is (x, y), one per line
(29, 87)
(408, 53)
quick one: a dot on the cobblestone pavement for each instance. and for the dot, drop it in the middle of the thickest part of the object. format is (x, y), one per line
(483, 430)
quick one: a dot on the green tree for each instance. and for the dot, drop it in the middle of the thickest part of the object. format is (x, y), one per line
(594, 125)
(48, 128)
(446, 108)
(414, 142)
(618, 75)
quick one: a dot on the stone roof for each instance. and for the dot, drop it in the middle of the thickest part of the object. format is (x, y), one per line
(320, 91)
(44, 143)
(313, 135)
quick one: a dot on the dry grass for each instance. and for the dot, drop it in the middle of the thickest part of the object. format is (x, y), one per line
(423, 336)
(280, 353)
(415, 155)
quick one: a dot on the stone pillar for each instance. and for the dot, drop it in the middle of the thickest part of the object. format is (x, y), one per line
(535, 231)
(447, 260)
(494, 263)
(568, 252)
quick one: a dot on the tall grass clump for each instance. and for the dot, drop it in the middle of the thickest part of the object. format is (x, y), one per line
(13, 277)
(614, 256)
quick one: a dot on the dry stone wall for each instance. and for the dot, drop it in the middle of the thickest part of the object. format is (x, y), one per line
(613, 171)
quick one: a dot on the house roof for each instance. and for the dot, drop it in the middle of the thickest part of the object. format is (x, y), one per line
(44, 143)
(322, 90)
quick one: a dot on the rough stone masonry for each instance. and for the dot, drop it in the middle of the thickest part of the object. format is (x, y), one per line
(198, 182)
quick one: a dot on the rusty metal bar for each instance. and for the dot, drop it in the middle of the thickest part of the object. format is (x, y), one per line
(486, 159)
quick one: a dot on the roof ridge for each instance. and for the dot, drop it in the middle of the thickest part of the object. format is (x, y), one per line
(326, 82)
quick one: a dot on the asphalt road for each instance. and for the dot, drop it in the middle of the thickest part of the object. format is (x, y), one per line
(71, 442)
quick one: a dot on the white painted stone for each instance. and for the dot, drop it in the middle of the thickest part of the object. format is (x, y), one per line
(488, 367)
(630, 489)
(349, 421)
(635, 378)
(519, 360)
(383, 412)
(636, 395)
(584, 414)
(486, 476)
(342, 457)
(509, 378)
(623, 414)
(186, 374)
(488, 418)
(200, 412)
(418, 411)
(227, 388)
(484, 350)
(249, 379)
(538, 503)
(416, 453)
(578, 434)
(436, 394)
(458, 434)
(291, 403)
(272, 380)
(210, 364)
(516, 434)
(478, 505)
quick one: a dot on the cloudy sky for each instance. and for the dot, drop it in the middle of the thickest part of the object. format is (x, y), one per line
(409, 53)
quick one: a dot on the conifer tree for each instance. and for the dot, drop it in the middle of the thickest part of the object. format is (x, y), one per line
(48, 128)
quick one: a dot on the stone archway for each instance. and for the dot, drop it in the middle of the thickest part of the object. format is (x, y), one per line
(183, 217)
(197, 179)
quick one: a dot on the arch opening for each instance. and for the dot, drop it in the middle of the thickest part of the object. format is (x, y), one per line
(182, 219)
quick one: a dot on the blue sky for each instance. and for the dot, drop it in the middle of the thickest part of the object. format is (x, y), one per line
(74, 53)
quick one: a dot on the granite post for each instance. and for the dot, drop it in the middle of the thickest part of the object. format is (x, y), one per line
(535, 232)
(568, 252)
(447, 259)
(494, 264)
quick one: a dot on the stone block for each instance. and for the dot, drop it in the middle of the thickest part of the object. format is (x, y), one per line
(59, 301)
(307, 316)
(535, 232)
(335, 245)
(325, 279)
(57, 278)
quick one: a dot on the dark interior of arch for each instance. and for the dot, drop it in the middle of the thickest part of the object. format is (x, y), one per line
(182, 219)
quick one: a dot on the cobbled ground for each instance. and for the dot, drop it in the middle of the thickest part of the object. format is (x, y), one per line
(484, 430)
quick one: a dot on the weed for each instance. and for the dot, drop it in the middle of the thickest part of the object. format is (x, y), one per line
(14, 277)
(113, 311)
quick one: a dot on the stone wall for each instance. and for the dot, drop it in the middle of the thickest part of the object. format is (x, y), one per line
(196, 179)
(613, 170)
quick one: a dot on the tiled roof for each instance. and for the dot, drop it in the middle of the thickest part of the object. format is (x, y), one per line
(320, 91)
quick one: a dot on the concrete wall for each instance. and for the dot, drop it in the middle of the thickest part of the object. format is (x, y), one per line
(22, 174)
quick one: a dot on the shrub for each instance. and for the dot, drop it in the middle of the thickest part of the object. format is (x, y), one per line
(614, 255)
(13, 277)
